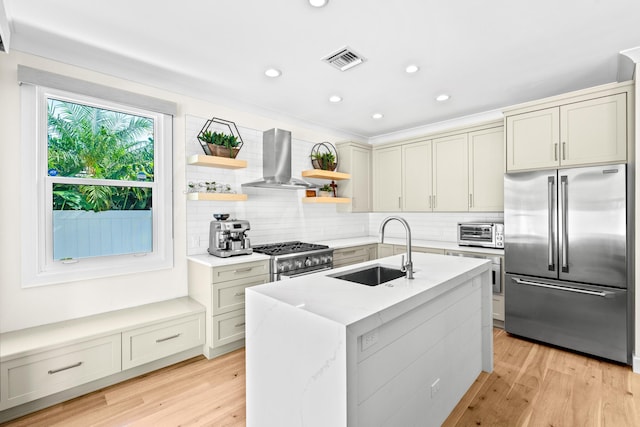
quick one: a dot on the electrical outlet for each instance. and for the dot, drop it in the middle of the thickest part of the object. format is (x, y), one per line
(435, 387)
(369, 339)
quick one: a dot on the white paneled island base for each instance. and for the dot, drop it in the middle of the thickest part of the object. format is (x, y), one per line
(321, 351)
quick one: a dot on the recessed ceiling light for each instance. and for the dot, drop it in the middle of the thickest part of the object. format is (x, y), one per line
(335, 98)
(318, 3)
(412, 68)
(442, 97)
(272, 72)
(377, 116)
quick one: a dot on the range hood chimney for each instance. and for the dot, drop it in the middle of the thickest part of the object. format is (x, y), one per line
(276, 163)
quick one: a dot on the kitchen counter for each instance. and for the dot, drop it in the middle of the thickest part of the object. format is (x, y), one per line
(324, 351)
(368, 240)
(214, 261)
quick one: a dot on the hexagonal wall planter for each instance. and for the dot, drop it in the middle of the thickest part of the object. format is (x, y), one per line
(226, 147)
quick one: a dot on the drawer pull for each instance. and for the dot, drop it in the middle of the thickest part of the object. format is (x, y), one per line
(240, 324)
(238, 294)
(243, 270)
(55, 371)
(348, 252)
(168, 338)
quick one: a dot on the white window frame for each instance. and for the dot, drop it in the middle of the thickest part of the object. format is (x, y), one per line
(38, 266)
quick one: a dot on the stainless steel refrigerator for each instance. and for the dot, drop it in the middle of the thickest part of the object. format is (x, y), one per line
(566, 259)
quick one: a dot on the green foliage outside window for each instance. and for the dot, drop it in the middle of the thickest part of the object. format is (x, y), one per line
(93, 143)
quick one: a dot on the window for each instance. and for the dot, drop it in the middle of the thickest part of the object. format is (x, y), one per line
(101, 171)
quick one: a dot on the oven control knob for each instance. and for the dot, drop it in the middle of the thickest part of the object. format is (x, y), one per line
(307, 262)
(298, 263)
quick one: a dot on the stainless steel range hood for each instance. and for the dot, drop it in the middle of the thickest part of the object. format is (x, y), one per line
(276, 163)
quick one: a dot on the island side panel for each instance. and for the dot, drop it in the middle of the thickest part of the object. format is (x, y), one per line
(414, 369)
(295, 366)
(487, 322)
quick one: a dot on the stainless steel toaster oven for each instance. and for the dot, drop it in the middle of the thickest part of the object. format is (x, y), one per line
(483, 234)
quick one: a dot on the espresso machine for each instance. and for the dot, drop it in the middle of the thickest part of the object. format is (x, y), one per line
(227, 237)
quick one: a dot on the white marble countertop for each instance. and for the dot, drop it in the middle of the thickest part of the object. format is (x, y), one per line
(367, 240)
(214, 261)
(365, 307)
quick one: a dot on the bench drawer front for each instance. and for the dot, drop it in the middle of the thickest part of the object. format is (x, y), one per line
(38, 375)
(144, 345)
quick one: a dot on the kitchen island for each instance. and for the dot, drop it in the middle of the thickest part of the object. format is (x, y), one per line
(321, 351)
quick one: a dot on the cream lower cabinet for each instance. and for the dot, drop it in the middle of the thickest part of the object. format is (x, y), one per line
(584, 132)
(451, 174)
(354, 255)
(355, 159)
(386, 249)
(221, 291)
(47, 364)
(387, 179)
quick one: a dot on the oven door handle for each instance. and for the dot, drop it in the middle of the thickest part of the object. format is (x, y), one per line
(291, 276)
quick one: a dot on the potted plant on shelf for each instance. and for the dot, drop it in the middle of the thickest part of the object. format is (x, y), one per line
(220, 144)
(324, 156)
(325, 191)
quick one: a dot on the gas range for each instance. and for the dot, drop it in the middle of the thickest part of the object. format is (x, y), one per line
(292, 259)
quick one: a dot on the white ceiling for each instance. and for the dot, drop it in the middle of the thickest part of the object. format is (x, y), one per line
(485, 54)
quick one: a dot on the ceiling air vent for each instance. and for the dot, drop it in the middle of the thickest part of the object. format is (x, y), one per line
(344, 58)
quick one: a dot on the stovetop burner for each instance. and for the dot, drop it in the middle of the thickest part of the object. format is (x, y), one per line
(287, 248)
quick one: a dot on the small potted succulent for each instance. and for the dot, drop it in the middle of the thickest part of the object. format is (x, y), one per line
(325, 191)
(220, 144)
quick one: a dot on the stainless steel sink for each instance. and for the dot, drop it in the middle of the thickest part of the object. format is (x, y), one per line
(371, 275)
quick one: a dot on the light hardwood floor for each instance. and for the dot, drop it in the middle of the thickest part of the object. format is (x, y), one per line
(532, 385)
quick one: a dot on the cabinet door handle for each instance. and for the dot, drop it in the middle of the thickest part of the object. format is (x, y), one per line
(238, 294)
(555, 151)
(239, 325)
(470, 200)
(435, 204)
(429, 201)
(564, 150)
(167, 338)
(400, 202)
(55, 371)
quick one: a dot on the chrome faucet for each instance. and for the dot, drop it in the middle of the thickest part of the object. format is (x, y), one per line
(408, 267)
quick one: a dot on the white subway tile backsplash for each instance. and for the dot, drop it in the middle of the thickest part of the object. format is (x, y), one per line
(279, 215)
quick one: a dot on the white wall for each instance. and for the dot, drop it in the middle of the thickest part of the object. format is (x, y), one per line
(22, 308)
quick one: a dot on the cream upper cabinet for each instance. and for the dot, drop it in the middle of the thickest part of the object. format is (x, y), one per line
(584, 132)
(387, 179)
(532, 139)
(594, 131)
(486, 170)
(355, 159)
(416, 177)
(451, 173)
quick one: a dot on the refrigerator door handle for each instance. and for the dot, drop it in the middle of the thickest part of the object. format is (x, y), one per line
(602, 294)
(563, 213)
(551, 220)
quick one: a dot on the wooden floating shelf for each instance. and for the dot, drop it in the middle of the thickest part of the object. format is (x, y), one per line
(222, 197)
(216, 162)
(323, 174)
(326, 200)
